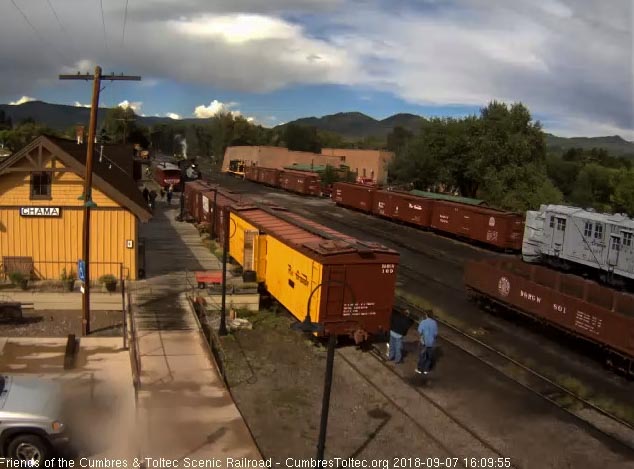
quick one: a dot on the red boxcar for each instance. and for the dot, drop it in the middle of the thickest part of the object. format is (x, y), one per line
(193, 198)
(493, 227)
(581, 307)
(269, 176)
(166, 174)
(300, 182)
(403, 207)
(355, 196)
(251, 173)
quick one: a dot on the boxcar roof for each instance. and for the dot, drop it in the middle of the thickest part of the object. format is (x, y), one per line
(618, 218)
(450, 198)
(290, 233)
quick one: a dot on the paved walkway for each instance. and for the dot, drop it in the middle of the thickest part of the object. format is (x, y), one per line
(184, 408)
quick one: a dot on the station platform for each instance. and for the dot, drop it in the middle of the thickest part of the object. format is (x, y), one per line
(183, 407)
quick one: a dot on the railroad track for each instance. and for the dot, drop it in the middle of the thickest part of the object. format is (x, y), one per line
(538, 383)
(439, 442)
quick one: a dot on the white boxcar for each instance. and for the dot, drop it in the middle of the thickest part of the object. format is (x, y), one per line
(568, 235)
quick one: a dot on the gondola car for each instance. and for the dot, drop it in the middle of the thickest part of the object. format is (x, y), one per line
(575, 305)
(349, 284)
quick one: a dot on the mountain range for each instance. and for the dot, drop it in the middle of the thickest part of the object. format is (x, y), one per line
(351, 125)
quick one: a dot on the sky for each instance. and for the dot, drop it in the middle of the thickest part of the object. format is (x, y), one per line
(569, 61)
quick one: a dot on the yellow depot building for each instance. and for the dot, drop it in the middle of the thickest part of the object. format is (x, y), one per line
(41, 215)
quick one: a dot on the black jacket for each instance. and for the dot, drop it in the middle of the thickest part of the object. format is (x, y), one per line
(400, 323)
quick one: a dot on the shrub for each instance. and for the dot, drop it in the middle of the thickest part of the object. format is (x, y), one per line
(108, 278)
(17, 277)
(68, 277)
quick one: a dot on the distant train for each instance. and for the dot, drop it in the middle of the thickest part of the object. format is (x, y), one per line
(167, 174)
(582, 241)
(477, 223)
(346, 285)
(566, 238)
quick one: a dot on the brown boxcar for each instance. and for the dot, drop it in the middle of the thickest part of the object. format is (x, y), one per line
(350, 285)
(403, 207)
(355, 196)
(269, 176)
(486, 225)
(576, 305)
(300, 182)
(193, 198)
(251, 173)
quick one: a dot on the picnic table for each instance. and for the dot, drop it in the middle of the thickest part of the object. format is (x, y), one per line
(203, 278)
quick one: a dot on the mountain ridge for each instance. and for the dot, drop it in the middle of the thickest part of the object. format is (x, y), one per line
(351, 125)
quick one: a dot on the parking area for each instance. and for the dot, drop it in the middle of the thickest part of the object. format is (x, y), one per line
(98, 392)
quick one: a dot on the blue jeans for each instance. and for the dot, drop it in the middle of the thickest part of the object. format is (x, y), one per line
(425, 358)
(396, 347)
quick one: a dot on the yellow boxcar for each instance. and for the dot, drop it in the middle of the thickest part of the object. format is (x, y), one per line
(350, 284)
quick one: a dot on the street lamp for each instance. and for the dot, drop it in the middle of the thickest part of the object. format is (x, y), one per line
(222, 331)
(308, 326)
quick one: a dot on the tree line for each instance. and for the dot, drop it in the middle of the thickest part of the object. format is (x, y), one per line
(500, 156)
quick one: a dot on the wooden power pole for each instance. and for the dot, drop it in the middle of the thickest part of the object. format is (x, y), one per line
(96, 78)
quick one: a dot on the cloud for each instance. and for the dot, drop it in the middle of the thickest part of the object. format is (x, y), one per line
(569, 60)
(78, 104)
(22, 100)
(236, 29)
(215, 107)
(173, 115)
(134, 105)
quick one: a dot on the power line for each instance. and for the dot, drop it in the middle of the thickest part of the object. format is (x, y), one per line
(125, 18)
(35, 30)
(28, 22)
(61, 26)
(103, 22)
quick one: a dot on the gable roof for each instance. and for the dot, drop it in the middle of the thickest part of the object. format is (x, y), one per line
(110, 176)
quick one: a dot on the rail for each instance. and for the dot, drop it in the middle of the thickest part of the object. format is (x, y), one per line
(628, 443)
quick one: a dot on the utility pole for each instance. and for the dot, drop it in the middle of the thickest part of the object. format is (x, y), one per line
(125, 121)
(96, 78)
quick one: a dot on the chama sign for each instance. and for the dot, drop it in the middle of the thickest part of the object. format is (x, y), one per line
(40, 211)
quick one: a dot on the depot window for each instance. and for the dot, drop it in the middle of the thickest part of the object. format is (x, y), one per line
(561, 224)
(627, 238)
(587, 231)
(598, 231)
(40, 185)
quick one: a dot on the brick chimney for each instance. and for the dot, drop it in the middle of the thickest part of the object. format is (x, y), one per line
(79, 133)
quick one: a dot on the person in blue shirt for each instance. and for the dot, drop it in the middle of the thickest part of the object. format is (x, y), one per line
(428, 330)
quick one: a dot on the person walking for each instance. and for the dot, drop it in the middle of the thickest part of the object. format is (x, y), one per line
(170, 194)
(146, 195)
(153, 196)
(399, 325)
(428, 330)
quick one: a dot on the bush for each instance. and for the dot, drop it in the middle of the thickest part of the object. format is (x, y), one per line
(17, 277)
(68, 277)
(108, 278)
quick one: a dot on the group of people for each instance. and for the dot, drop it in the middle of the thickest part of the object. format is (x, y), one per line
(151, 195)
(427, 330)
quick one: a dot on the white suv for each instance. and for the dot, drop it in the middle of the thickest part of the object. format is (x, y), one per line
(30, 423)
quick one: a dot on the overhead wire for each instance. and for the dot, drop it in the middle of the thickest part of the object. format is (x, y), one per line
(103, 23)
(37, 32)
(125, 19)
(62, 28)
